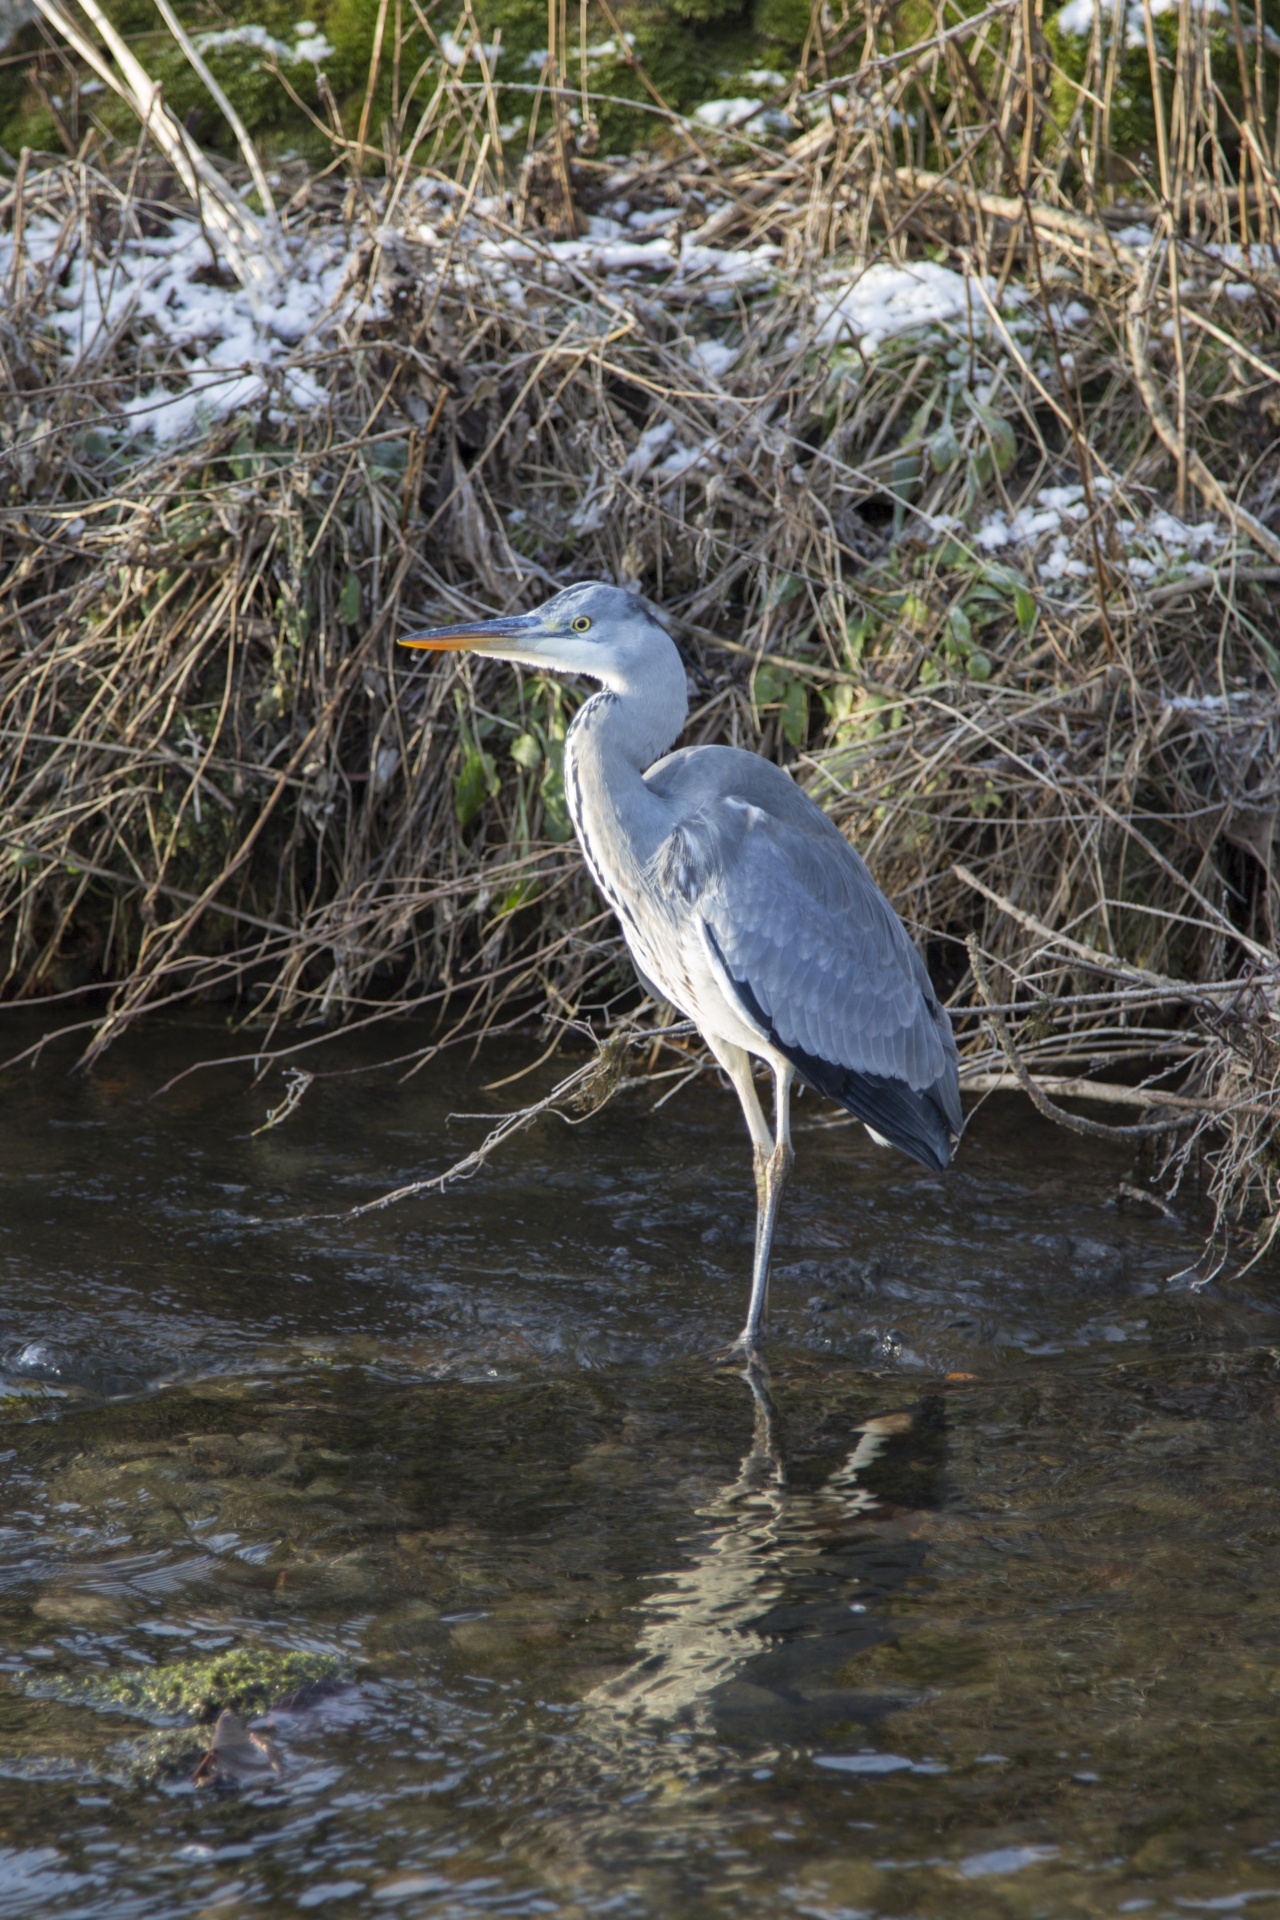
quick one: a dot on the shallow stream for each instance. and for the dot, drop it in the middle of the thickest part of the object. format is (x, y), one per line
(521, 1599)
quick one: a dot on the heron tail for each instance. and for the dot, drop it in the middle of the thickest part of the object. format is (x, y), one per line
(915, 1122)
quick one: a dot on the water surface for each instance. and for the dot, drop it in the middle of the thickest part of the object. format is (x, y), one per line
(529, 1602)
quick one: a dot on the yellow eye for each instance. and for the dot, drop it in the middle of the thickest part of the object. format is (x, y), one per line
(581, 624)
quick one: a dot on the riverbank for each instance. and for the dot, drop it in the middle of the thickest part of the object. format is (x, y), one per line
(960, 497)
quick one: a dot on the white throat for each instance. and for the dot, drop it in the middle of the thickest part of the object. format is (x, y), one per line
(641, 707)
(619, 733)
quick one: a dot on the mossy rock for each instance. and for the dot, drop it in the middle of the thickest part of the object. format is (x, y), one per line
(171, 1755)
(248, 1680)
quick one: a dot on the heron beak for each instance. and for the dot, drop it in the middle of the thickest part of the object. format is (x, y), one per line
(481, 636)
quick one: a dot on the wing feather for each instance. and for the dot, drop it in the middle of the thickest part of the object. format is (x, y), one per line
(817, 956)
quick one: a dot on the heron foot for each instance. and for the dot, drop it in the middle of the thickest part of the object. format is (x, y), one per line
(748, 1346)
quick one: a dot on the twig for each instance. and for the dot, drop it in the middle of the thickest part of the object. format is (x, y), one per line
(1074, 1122)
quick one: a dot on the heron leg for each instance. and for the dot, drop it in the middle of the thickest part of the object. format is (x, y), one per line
(737, 1064)
(773, 1157)
(771, 1180)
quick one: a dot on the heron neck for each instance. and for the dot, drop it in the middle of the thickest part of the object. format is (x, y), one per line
(637, 714)
(617, 734)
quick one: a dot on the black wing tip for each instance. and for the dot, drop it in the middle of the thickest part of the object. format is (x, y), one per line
(921, 1123)
(914, 1121)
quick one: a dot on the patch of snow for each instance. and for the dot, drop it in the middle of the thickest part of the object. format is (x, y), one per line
(647, 449)
(1078, 16)
(1028, 525)
(1068, 500)
(1060, 563)
(458, 52)
(732, 263)
(1152, 550)
(1231, 253)
(682, 459)
(610, 50)
(309, 45)
(312, 47)
(741, 111)
(1181, 538)
(225, 343)
(993, 533)
(713, 357)
(887, 300)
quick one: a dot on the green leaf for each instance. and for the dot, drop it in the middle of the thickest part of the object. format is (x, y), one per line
(916, 612)
(905, 473)
(944, 448)
(998, 582)
(838, 701)
(1025, 608)
(477, 779)
(242, 462)
(349, 600)
(978, 666)
(1004, 443)
(959, 630)
(389, 456)
(771, 683)
(526, 752)
(856, 637)
(520, 894)
(1000, 435)
(919, 421)
(793, 716)
(556, 824)
(776, 686)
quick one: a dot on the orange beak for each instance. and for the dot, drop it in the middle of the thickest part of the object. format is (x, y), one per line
(485, 636)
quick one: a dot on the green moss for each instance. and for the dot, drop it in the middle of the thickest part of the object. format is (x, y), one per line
(691, 50)
(784, 24)
(523, 26)
(247, 1679)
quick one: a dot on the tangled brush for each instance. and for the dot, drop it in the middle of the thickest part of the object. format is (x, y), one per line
(956, 482)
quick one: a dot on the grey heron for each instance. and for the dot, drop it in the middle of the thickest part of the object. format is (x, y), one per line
(742, 904)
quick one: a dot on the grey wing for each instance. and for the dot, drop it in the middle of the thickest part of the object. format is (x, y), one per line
(820, 961)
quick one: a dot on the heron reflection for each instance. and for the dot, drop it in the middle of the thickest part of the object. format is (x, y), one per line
(709, 1620)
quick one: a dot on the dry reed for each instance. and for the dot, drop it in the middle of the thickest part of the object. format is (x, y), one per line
(1059, 755)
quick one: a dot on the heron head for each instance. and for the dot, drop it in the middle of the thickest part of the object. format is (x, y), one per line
(594, 629)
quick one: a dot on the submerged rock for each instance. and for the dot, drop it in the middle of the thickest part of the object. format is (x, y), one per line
(246, 1680)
